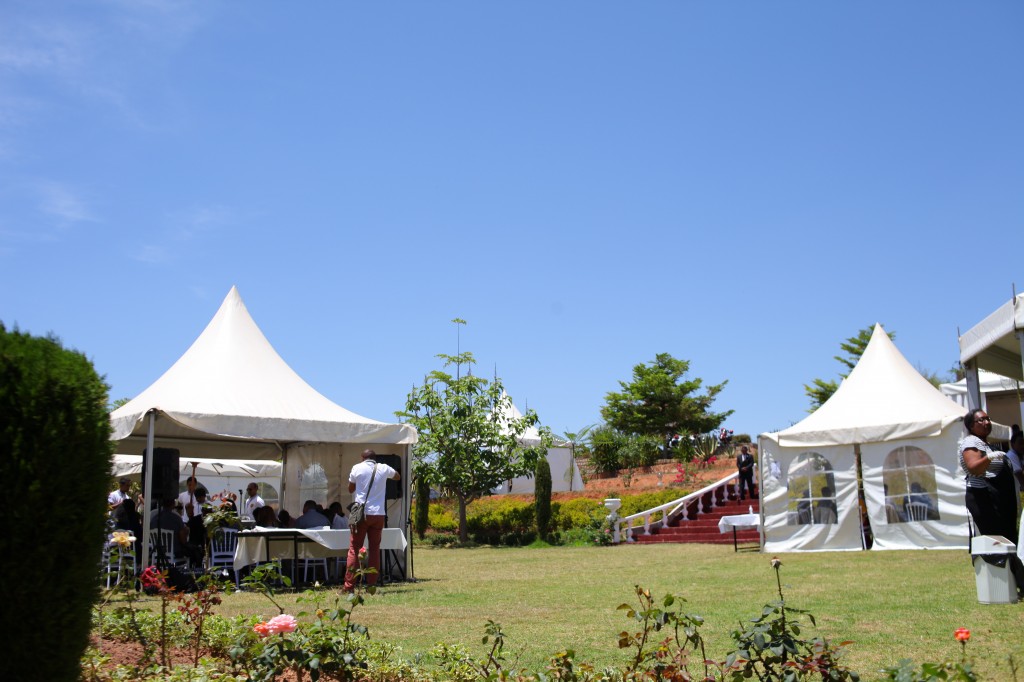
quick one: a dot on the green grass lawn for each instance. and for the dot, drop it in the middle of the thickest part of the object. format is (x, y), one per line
(892, 605)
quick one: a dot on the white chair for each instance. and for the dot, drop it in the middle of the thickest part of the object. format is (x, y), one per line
(222, 549)
(314, 563)
(917, 511)
(161, 548)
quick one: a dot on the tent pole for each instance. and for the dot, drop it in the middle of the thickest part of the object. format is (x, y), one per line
(147, 489)
(407, 482)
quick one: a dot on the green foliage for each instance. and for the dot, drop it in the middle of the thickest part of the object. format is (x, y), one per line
(421, 512)
(54, 437)
(659, 402)
(502, 521)
(633, 504)
(468, 437)
(441, 519)
(773, 648)
(741, 438)
(578, 513)
(542, 498)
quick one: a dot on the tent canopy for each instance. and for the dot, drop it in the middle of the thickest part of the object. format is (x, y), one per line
(904, 433)
(996, 343)
(884, 398)
(231, 395)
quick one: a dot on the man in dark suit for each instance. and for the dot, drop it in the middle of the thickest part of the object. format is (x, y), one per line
(745, 465)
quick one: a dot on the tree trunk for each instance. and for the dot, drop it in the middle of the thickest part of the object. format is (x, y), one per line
(463, 526)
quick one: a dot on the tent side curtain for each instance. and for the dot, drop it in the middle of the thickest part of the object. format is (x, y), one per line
(914, 495)
(811, 504)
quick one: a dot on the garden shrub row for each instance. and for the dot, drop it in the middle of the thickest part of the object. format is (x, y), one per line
(503, 520)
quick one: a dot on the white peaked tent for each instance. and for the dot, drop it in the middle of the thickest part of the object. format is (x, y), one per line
(565, 475)
(232, 396)
(905, 433)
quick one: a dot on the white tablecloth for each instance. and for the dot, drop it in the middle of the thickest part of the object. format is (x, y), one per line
(313, 544)
(739, 522)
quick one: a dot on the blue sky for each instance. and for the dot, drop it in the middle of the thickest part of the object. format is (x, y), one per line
(588, 184)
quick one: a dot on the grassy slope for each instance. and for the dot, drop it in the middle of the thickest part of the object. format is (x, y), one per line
(891, 604)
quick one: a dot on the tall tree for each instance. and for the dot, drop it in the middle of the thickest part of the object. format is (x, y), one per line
(820, 390)
(659, 401)
(468, 439)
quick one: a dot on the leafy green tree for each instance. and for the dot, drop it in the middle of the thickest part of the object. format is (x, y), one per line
(820, 390)
(660, 402)
(468, 439)
(542, 498)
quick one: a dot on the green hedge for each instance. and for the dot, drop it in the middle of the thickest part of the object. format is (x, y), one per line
(54, 450)
(501, 520)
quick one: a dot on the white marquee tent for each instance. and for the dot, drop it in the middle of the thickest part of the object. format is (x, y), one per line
(905, 433)
(565, 475)
(232, 396)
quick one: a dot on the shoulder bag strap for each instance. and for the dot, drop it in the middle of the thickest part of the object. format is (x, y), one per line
(373, 475)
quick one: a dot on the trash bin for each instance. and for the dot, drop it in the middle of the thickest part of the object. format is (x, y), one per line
(991, 557)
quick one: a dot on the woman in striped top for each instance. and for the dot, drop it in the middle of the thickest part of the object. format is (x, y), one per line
(990, 487)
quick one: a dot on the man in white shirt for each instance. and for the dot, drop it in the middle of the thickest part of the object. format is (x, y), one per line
(189, 504)
(368, 481)
(117, 498)
(254, 501)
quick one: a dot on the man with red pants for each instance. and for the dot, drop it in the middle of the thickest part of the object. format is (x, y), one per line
(368, 480)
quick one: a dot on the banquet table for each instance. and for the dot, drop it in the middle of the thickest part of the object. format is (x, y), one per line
(268, 544)
(738, 522)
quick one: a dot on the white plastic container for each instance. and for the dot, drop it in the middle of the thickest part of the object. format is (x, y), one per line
(995, 583)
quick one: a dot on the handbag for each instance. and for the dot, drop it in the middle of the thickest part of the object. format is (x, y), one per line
(357, 512)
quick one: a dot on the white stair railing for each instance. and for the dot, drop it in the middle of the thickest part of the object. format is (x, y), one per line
(704, 500)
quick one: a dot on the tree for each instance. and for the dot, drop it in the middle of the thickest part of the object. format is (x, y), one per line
(820, 390)
(468, 440)
(659, 402)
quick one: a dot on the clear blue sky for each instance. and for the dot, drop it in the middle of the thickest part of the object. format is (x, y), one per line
(740, 184)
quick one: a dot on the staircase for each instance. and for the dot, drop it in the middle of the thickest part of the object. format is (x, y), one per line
(693, 518)
(704, 528)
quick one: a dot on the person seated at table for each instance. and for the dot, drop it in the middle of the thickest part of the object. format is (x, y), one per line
(126, 517)
(311, 517)
(825, 509)
(265, 517)
(168, 518)
(338, 521)
(284, 519)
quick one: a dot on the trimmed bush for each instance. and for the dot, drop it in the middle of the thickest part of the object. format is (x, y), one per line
(54, 444)
(631, 504)
(542, 498)
(500, 520)
(441, 519)
(578, 513)
(421, 516)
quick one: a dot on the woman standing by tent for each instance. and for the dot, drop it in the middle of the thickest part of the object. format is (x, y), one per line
(990, 490)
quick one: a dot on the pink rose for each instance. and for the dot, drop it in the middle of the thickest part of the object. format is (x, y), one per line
(281, 624)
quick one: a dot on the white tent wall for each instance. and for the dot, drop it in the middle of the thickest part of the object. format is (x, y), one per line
(319, 472)
(565, 476)
(791, 525)
(892, 527)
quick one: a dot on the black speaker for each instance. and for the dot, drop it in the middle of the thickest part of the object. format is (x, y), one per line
(165, 475)
(394, 488)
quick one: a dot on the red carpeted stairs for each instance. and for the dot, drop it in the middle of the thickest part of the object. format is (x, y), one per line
(704, 528)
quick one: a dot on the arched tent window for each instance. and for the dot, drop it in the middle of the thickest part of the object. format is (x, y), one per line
(313, 484)
(811, 491)
(908, 475)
